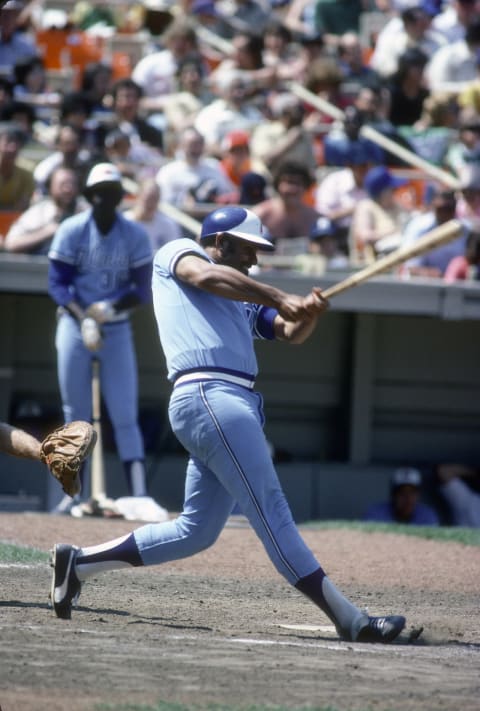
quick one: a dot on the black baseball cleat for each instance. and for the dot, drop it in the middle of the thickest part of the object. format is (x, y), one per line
(66, 587)
(381, 629)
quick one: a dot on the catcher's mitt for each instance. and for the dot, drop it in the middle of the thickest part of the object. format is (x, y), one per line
(64, 450)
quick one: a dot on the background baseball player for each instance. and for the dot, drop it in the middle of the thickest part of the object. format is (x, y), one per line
(100, 268)
(208, 311)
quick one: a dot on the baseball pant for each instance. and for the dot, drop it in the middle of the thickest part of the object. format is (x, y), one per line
(118, 376)
(221, 425)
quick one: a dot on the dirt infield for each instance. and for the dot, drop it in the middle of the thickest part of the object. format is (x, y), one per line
(224, 628)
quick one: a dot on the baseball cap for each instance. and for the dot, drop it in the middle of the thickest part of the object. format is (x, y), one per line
(323, 227)
(379, 179)
(406, 476)
(103, 173)
(234, 139)
(239, 222)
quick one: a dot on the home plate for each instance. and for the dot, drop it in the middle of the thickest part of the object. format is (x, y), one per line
(326, 629)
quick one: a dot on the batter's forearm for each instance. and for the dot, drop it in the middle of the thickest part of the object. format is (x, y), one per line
(297, 332)
(232, 284)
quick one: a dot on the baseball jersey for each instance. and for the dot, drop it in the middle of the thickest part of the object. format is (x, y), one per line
(102, 263)
(199, 330)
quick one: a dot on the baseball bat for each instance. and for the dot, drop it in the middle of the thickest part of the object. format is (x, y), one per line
(98, 469)
(373, 135)
(432, 239)
(436, 237)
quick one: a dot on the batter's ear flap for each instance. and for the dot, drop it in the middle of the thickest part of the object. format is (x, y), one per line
(223, 242)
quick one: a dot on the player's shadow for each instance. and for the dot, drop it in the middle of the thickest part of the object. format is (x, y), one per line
(47, 606)
(166, 622)
(108, 611)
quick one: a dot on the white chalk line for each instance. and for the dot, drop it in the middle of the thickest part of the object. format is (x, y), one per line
(23, 566)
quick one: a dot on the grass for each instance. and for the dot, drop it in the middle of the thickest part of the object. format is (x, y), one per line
(448, 534)
(12, 553)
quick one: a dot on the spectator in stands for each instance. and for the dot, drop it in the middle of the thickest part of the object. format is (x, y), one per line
(14, 45)
(466, 266)
(135, 162)
(243, 16)
(310, 47)
(464, 151)
(340, 190)
(460, 487)
(436, 129)
(407, 88)
(453, 66)
(325, 248)
(433, 263)
(155, 73)
(23, 116)
(352, 64)
(372, 101)
(336, 17)
(411, 29)
(345, 138)
(126, 95)
(235, 160)
(374, 105)
(145, 210)
(191, 94)
(192, 177)
(16, 182)
(247, 59)
(286, 216)
(455, 17)
(324, 78)
(278, 44)
(31, 83)
(253, 187)
(284, 138)
(404, 505)
(377, 220)
(68, 153)
(468, 203)
(76, 111)
(33, 231)
(299, 17)
(96, 84)
(231, 111)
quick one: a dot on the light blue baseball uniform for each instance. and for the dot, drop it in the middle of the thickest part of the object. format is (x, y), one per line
(218, 418)
(96, 267)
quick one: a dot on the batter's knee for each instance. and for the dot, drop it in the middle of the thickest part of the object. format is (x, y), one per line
(201, 534)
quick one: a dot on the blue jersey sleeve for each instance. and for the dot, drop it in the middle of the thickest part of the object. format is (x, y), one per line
(139, 290)
(60, 279)
(261, 319)
(67, 241)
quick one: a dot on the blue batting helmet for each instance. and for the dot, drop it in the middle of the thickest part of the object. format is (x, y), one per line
(236, 221)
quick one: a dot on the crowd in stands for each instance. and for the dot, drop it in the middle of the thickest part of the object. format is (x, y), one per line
(199, 104)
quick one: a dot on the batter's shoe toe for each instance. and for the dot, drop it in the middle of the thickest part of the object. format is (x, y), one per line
(381, 629)
(66, 587)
